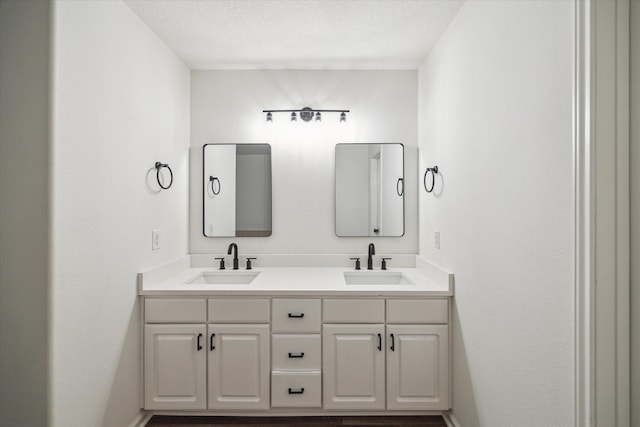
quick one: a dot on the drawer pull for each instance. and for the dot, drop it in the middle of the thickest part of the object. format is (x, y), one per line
(198, 345)
(393, 343)
(379, 342)
(211, 342)
(296, 355)
(294, 391)
(296, 316)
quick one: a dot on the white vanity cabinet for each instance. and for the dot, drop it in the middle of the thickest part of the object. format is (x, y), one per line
(417, 354)
(408, 357)
(296, 376)
(291, 354)
(175, 354)
(192, 345)
(238, 361)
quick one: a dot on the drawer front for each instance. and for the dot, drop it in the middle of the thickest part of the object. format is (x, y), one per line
(353, 311)
(293, 390)
(239, 310)
(175, 310)
(296, 315)
(417, 311)
(296, 352)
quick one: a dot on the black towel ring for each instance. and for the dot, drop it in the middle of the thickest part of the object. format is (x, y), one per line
(434, 171)
(159, 166)
(400, 189)
(213, 180)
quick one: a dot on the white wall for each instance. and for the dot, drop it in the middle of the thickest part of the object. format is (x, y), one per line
(24, 212)
(121, 103)
(496, 117)
(226, 107)
(635, 211)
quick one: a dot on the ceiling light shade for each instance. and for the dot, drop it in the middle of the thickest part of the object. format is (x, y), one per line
(269, 117)
(294, 118)
(318, 117)
(343, 117)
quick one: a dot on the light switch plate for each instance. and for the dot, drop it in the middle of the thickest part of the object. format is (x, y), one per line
(155, 240)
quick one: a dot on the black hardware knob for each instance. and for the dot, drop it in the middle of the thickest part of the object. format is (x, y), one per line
(221, 263)
(384, 263)
(376, 230)
(296, 316)
(249, 263)
(357, 263)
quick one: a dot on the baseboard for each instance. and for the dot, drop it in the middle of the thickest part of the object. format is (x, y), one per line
(142, 419)
(450, 420)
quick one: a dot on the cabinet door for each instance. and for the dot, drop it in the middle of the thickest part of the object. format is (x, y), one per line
(353, 366)
(417, 367)
(238, 366)
(175, 366)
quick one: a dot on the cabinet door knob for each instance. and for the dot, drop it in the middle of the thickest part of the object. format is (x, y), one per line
(211, 342)
(198, 345)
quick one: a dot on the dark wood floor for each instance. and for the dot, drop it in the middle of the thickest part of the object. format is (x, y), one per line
(382, 421)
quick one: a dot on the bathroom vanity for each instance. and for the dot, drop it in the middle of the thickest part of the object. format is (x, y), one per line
(296, 340)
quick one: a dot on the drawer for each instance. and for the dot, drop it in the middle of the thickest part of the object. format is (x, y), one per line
(300, 389)
(175, 310)
(296, 315)
(239, 310)
(417, 311)
(296, 352)
(353, 311)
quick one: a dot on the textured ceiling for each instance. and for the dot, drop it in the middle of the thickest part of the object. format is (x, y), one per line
(298, 34)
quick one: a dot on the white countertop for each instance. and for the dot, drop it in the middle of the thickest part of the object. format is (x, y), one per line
(293, 281)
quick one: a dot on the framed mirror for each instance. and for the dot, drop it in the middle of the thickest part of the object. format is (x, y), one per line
(236, 190)
(369, 190)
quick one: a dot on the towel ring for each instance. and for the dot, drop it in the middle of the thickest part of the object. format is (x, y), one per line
(434, 171)
(212, 181)
(159, 167)
(400, 190)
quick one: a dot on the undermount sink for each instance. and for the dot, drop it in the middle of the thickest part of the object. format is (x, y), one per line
(376, 278)
(220, 278)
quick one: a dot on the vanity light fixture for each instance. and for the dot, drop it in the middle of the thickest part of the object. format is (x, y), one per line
(306, 114)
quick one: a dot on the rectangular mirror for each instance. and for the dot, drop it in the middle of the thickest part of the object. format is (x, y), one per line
(236, 190)
(369, 190)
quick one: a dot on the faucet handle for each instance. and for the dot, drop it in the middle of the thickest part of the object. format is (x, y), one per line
(384, 263)
(249, 262)
(357, 263)
(221, 263)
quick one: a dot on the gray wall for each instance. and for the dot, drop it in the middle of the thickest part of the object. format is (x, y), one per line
(24, 211)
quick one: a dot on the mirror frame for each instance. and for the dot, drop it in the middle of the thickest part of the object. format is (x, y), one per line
(335, 192)
(204, 185)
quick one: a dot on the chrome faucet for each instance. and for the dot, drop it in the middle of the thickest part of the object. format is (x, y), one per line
(372, 251)
(234, 247)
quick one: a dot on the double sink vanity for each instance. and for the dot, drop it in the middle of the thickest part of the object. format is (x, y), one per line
(277, 340)
(298, 334)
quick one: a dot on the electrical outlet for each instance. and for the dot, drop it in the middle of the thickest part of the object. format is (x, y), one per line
(155, 240)
(436, 239)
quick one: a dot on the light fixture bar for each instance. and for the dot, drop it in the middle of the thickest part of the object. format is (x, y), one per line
(307, 114)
